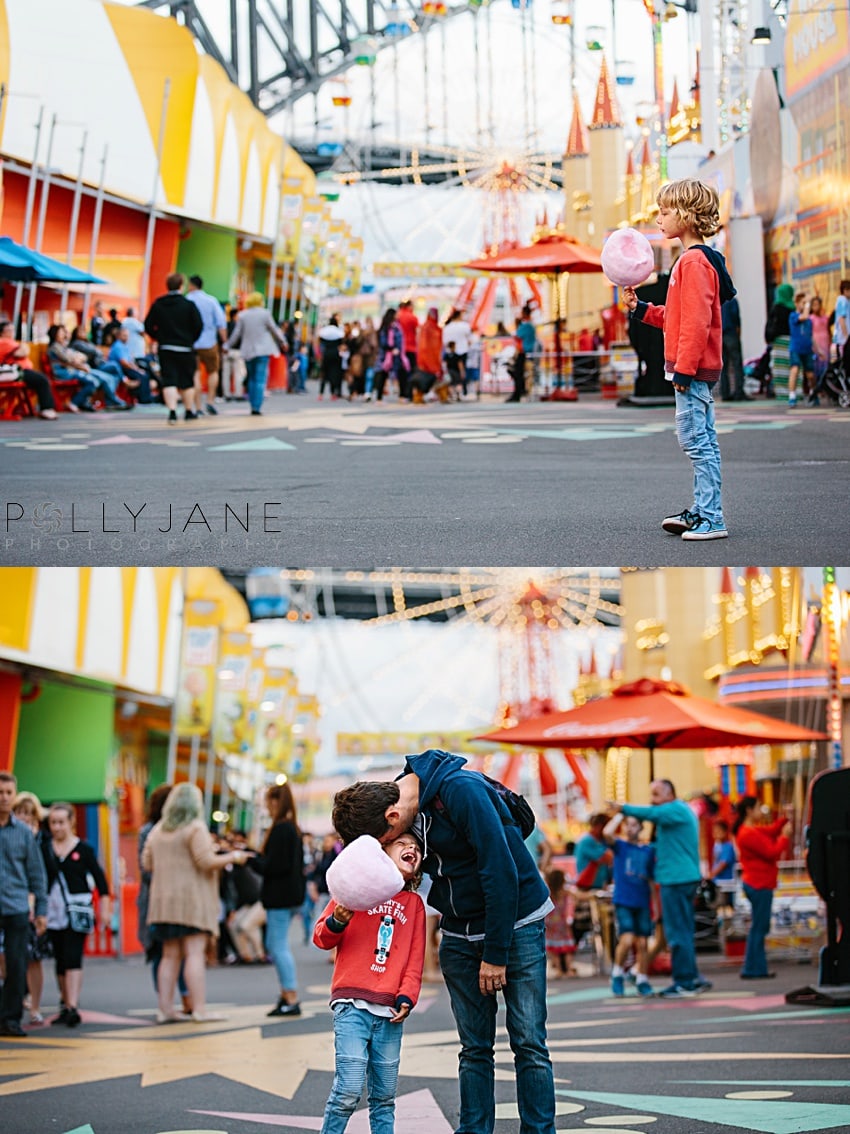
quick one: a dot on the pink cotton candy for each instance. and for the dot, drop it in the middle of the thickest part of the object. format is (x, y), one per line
(627, 258)
(362, 875)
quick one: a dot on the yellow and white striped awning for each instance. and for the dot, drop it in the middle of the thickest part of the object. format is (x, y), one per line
(120, 625)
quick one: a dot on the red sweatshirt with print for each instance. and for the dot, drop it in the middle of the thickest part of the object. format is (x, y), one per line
(690, 320)
(380, 953)
(759, 851)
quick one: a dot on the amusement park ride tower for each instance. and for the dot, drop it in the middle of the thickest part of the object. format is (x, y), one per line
(594, 162)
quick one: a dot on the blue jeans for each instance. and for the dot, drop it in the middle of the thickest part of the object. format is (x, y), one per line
(698, 439)
(755, 958)
(88, 385)
(258, 374)
(475, 1016)
(110, 376)
(16, 929)
(367, 1049)
(277, 943)
(677, 910)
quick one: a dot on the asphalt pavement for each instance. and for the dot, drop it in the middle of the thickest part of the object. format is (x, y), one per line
(735, 1058)
(339, 484)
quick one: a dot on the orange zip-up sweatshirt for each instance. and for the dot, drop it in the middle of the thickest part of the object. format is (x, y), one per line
(690, 320)
(380, 953)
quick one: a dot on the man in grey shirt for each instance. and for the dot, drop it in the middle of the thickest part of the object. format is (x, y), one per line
(21, 873)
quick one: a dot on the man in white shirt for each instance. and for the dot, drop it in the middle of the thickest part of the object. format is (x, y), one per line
(208, 345)
(136, 340)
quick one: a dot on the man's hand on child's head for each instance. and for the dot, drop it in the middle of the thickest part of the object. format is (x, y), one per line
(342, 914)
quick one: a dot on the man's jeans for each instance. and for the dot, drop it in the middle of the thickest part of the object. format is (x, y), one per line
(368, 1049)
(258, 374)
(755, 958)
(475, 1016)
(677, 910)
(15, 933)
(110, 376)
(697, 436)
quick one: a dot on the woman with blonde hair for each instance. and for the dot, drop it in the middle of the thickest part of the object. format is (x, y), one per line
(258, 337)
(183, 908)
(281, 863)
(27, 807)
(72, 871)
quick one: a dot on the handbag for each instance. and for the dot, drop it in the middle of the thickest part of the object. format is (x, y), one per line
(80, 908)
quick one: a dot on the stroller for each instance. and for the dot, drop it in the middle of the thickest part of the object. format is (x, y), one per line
(834, 383)
(759, 371)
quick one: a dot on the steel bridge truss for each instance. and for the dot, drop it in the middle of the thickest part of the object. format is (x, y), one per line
(278, 51)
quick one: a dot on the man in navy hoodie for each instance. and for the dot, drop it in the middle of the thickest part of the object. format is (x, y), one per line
(493, 903)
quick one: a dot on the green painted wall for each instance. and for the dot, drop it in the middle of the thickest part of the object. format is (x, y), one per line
(261, 277)
(66, 740)
(210, 254)
(157, 760)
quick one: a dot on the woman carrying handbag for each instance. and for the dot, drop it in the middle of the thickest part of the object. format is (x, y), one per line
(72, 873)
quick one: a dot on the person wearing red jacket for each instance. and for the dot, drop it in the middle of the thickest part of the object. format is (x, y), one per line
(759, 851)
(691, 321)
(376, 982)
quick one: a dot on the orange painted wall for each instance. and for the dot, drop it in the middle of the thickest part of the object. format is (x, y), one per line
(120, 249)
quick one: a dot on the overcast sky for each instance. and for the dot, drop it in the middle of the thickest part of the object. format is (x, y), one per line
(412, 677)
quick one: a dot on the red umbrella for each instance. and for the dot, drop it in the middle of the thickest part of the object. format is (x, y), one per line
(551, 255)
(652, 714)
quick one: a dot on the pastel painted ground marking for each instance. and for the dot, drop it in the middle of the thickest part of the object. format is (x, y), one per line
(742, 1114)
(415, 1113)
(260, 444)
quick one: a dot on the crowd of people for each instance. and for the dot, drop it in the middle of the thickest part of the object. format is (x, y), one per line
(803, 342)
(509, 918)
(431, 361)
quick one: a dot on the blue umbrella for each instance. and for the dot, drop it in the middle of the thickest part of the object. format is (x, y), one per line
(23, 265)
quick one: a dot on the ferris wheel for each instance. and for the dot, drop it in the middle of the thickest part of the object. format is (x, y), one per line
(477, 102)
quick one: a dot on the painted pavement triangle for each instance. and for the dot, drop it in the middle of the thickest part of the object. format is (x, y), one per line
(769, 1117)
(261, 443)
(415, 1113)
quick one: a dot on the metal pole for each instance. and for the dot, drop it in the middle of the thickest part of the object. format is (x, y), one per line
(276, 242)
(194, 753)
(283, 306)
(426, 86)
(42, 218)
(95, 229)
(75, 216)
(209, 778)
(171, 764)
(146, 269)
(29, 209)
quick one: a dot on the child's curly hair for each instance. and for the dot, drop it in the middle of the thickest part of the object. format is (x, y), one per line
(696, 204)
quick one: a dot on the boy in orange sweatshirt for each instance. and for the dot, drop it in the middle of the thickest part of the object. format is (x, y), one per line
(376, 982)
(689, 210)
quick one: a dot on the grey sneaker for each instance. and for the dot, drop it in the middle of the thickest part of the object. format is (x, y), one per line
(705, 529)
(682, 522)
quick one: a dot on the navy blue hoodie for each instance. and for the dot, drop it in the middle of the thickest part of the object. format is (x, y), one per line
(484, 879)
